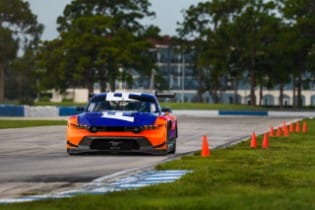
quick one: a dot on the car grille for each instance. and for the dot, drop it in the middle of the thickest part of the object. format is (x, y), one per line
(136, 129)
(114, 144)
(110, 128)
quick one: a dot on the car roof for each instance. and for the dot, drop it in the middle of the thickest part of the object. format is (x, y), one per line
(119, 96)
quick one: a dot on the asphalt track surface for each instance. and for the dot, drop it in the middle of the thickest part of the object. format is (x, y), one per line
(34, 160)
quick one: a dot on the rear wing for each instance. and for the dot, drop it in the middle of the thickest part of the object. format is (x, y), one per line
(165, 95)
(166, 98)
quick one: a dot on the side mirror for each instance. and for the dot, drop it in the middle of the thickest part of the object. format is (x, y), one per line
(166, 109)
(80, 109)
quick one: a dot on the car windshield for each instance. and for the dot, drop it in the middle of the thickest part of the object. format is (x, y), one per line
(101, 104)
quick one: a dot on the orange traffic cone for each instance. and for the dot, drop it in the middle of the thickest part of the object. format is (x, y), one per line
(272, 131)
(304, 130)
(205, 151)
(253, 142)
(291, 128)
(285, 129)
(265, 143)
(297, 127)
(279, 131)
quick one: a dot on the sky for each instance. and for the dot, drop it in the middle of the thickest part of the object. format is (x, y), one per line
(168, 13)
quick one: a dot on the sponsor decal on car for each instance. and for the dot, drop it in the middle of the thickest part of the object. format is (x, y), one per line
(117, 116)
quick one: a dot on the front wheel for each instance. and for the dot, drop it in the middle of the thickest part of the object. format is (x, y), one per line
(171, 138)
(172, 147)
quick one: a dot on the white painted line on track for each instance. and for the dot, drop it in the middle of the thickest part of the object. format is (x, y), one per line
(134, 181)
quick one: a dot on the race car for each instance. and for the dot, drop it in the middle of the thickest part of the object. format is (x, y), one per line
(119, 122)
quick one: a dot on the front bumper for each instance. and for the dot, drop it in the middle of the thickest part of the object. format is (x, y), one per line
(116, 139)
(105, 144)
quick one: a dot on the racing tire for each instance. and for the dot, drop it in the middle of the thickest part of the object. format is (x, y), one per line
(171, 143)
(173, 149)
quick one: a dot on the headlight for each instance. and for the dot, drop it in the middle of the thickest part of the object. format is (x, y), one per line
(151, 127)
(73, 121)
(82, 126)
(144, 127)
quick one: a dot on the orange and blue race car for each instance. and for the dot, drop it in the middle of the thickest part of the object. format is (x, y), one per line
(122, 122)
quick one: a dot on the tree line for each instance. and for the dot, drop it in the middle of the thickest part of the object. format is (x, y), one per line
(268, 42)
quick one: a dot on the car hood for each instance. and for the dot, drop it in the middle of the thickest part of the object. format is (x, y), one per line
(116, 118)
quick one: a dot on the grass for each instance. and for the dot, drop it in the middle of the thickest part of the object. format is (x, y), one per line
(63, 103)
(14, 123)
(280, 177)
(207, 106)
(190, 106)
(200, 106)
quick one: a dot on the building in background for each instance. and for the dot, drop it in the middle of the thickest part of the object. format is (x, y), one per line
(176, 70)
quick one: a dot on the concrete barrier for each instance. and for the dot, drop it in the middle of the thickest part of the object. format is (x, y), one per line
(67, 111)
(196, 113)
(11, 111)
(304, 114)
(240, 112)
(53, 111)
(41, 111)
